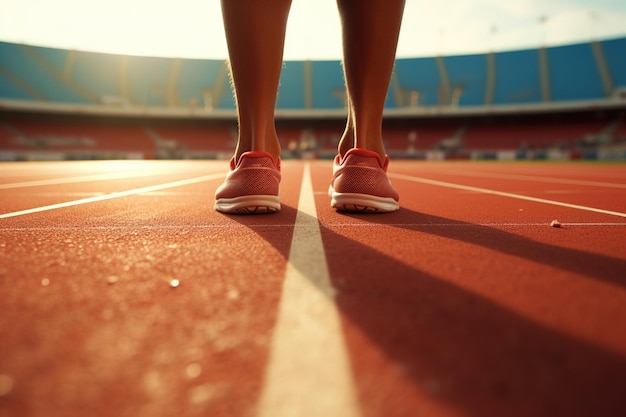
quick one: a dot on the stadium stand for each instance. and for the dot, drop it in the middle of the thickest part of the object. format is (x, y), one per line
(569, 97)
(36, 74)
(327, 85)
(100, 72)
(204, 83)
(291, 94)
(518, 80)
(520, 136)
(191, 140)
(468, 80)
(567, 84)
(421, 76)
(47, 138)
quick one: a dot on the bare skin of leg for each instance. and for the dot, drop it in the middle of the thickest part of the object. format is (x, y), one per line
(255, 34)
(370, 37)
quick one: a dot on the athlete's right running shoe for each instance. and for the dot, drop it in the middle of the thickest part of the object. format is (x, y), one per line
(251, 186)
(360, 183)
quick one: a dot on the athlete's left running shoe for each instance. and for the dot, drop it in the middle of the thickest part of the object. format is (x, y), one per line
(360, 183)
(251, 186)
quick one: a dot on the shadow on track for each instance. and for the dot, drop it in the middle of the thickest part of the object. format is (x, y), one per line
(458, 348)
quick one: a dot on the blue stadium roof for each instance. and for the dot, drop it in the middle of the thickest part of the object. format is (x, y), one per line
(586, 71)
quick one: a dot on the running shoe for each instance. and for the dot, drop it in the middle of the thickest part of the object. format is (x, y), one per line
(251, 186)
(360, 183)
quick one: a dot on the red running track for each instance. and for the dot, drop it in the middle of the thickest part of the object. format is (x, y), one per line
(124, 294)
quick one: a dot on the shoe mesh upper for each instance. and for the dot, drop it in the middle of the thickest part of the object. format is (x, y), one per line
(361, 173)
(254, 174)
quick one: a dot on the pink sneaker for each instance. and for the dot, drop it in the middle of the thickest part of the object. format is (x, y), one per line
(251, 186)
(360, 183)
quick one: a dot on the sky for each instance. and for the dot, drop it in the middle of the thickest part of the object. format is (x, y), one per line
(194, 29)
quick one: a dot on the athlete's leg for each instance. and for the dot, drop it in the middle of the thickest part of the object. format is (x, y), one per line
(255, 34)
(370, 36)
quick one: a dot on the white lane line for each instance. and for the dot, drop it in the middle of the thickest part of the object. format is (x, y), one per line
(81, 178)
(522, 177)
(592, 224)
(503, 194)
(274, 226)
(308, 373)
(113, 195)
(461, 225)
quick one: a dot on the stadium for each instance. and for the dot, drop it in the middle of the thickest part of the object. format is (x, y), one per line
(497, 289)
(564, 102)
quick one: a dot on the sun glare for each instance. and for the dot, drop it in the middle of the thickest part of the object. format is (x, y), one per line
(194, 28)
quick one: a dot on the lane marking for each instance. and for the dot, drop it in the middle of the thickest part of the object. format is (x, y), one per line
(593, 224)
(82, 178)
(308, 372)
(422, 225)
(113, 195)
(522, 177)
(273, 226)
(503, 194)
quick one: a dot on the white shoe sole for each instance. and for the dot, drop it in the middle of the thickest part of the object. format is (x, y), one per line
(362, 203)
(248, 204)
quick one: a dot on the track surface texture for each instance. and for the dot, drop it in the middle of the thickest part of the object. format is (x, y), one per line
(497, 289)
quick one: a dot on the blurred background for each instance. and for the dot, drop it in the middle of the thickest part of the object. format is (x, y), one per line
(482, 79)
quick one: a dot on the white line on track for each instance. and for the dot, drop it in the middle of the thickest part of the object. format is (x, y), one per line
(308, 373)
(459, 225)
(592, 224)
(328, 225)
(503, 194)
(81, 178)
(522, 177)
(113, 195)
